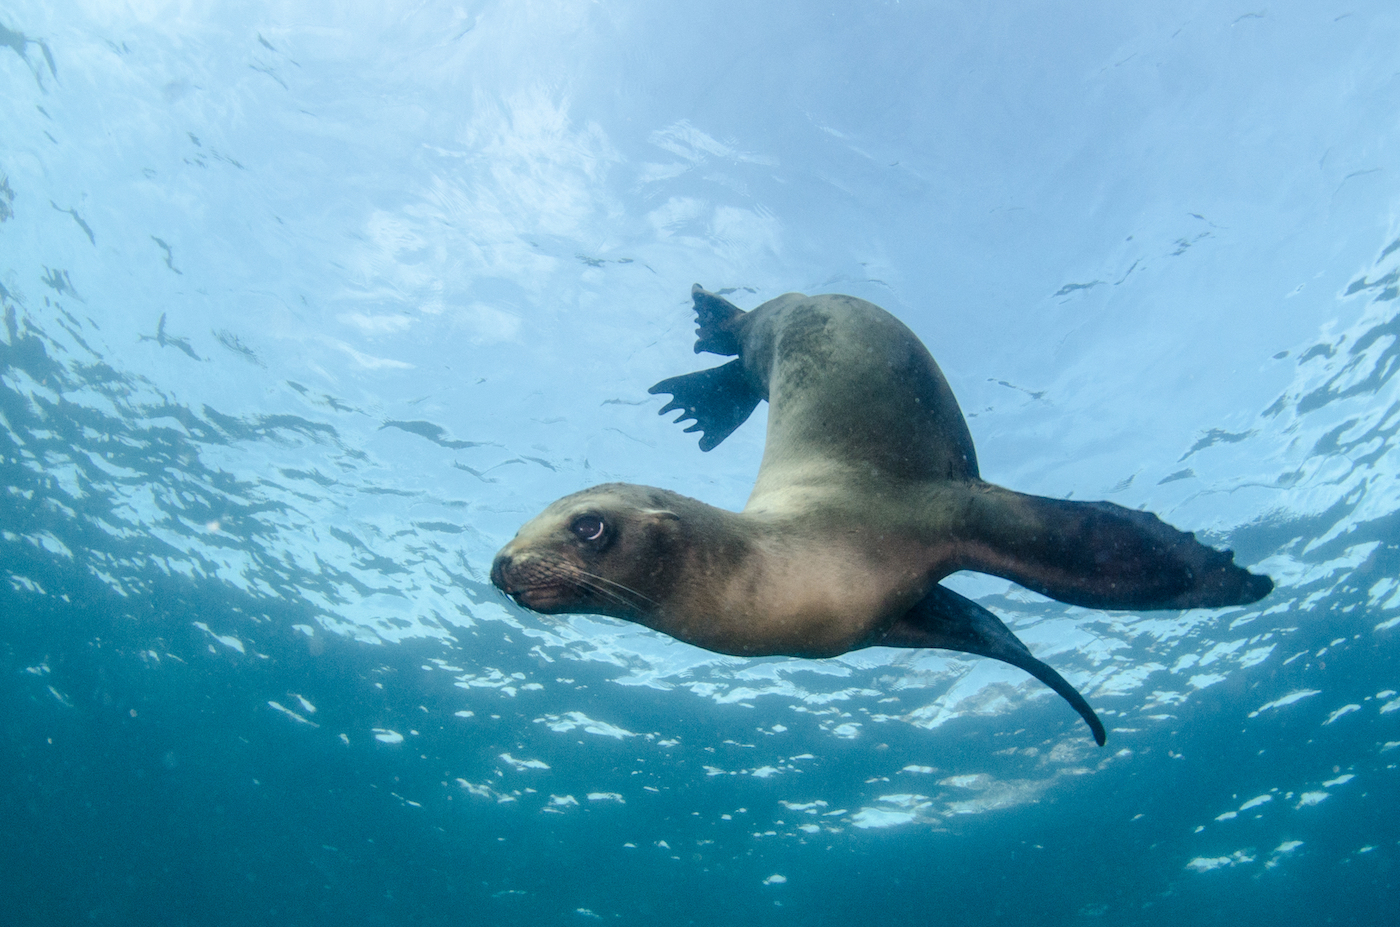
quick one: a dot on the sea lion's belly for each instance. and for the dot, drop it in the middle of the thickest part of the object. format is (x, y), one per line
(805, 600)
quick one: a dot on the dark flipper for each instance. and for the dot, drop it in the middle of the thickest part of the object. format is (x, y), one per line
(949, 621)
(719, 399)
(1099, 555)
(715, 318)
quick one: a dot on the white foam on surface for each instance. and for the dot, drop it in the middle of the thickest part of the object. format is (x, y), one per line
(573, 720)
(227, 640)
(1210, 863)
(1296, 695)
(513, 763)
(875, 818)
(292, 714)
(1340, 712)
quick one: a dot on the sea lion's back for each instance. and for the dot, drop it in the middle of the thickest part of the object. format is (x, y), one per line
(850, 385)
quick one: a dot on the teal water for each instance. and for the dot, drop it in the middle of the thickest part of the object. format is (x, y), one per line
(307, 312)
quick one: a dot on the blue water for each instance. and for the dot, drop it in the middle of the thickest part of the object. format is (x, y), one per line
(306, 312)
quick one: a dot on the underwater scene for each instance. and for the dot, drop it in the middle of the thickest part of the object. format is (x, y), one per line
(309, 307)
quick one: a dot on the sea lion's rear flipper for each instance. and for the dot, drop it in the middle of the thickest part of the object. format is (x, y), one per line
(715, 318)
(1098, 555)
(719, 400)
(949, 621)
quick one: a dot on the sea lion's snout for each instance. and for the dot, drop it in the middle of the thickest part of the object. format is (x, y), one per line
(539, 583)
(499, 568)
(511, 573)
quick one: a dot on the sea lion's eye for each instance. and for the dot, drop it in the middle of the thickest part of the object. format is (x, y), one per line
(588, 527)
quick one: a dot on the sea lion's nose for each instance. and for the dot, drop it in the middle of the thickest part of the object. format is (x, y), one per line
(499, 567)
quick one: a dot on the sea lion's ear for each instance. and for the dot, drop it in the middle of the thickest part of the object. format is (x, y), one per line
(661, 514)
(714, 316)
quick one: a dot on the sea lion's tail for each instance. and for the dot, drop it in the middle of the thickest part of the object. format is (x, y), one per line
(1097, 554)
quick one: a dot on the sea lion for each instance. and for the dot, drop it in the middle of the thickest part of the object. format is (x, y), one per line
(867, 496)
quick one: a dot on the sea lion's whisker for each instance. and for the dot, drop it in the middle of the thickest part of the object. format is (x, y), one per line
(601, 590)
(622, 586)
(572, 574)
(585, 575)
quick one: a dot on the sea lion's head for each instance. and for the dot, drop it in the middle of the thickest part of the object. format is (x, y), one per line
(609, 550)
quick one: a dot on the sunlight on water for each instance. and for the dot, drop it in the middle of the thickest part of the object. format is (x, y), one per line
(305, 312)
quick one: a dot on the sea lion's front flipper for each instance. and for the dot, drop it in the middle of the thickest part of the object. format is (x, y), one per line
(1097, 554)
(719, 399)
(949, 621)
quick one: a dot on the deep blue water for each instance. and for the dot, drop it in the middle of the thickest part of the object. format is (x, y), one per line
(305, 313)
